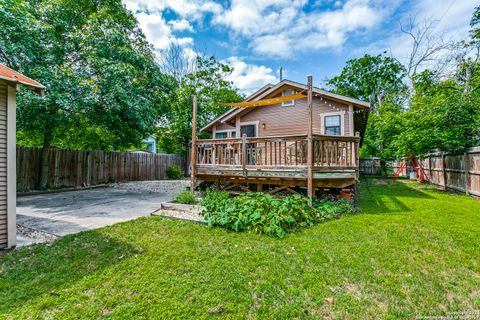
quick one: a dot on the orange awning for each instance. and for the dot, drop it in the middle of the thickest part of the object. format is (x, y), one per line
(266, 102)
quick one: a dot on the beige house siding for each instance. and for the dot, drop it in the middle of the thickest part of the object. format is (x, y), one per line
(3, 165)
(278, 120)
(7, 165)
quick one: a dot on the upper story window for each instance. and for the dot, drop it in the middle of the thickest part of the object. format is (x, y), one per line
(332, 125)
(285, 93)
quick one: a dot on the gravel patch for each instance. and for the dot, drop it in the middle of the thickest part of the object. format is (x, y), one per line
(170, 187)
(27, 236)
(184, 215)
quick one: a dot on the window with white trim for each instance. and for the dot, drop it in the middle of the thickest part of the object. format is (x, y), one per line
(286, 93)
(225, 134)
(332, 125)
(220, 135)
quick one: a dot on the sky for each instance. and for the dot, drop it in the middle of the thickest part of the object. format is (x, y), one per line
(316, 38)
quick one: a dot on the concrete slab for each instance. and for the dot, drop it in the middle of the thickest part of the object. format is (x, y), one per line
(65, 213)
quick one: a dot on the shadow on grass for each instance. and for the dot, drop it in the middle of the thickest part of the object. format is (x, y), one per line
(380, 196)
(29, 273)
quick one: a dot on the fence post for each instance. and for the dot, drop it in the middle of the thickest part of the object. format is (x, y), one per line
(466, 165)
(444, 171)
(430, 168)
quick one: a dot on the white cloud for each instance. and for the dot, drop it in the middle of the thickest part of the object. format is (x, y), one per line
(181, 25)
(249, 77)
(194, 9)
(254, 17)
(161, 33)
(282, 29)
(156, 29)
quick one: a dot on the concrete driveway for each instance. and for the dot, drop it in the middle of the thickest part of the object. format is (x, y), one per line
(63, 213)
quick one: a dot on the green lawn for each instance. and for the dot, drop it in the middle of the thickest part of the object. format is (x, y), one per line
(412, 251)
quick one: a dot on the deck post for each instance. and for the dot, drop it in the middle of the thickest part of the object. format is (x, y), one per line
(244, 154)
(309, 141)
(193, 154)
(357, 157)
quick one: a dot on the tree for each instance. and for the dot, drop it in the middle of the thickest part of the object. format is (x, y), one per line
(104, 88)
(379, 80)
(371, 78)
(208, 83)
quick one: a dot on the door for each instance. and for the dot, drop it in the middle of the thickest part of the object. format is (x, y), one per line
(249, 131)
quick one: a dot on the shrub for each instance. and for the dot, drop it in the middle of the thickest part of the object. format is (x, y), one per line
(174, 172)
(186, 197)
(262, 213)
(333, 208)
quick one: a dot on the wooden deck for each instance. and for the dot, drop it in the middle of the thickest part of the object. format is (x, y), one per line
(279, 160)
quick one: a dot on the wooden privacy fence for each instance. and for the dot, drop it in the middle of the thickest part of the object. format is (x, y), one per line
(460, 172)
(372, 166)
(69, 168)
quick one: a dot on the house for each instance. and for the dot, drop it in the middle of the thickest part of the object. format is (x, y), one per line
(10, 81)
(333, 114)
(266, 144)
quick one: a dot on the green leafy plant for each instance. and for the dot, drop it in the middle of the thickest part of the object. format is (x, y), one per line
(186, 197)
(174, 172)
(262, 213)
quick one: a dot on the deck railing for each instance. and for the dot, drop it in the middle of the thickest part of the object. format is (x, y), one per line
(279, 152)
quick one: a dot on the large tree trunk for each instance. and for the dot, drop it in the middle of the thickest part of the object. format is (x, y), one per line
(47, 142)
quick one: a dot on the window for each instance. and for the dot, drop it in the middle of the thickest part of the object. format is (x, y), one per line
(220, 135)
(332, 125)
(225, 134)
(288, 93)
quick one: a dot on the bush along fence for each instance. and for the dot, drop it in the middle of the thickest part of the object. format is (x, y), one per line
(70, 168)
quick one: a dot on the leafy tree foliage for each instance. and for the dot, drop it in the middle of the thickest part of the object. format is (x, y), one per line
(379, 80)
(104, 89)
(475, 25)
(208, 83)
(371, 78)
(434, 114)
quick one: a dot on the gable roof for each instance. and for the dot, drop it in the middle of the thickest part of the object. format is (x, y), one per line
(269, 88)
(13, 76)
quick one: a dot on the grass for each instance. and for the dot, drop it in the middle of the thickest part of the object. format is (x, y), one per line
(413, 251)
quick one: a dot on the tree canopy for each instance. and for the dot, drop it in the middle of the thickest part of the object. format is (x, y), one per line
(208, 83)
(104, 88)
(431, 113)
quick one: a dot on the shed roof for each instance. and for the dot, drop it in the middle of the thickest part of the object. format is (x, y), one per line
(13, 76)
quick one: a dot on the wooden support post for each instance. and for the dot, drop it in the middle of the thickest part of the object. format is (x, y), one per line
(444, 172)
(244, 154)
(193, 155)
(466, 165)
(430, 168)
(357, 157)
(309, 140)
